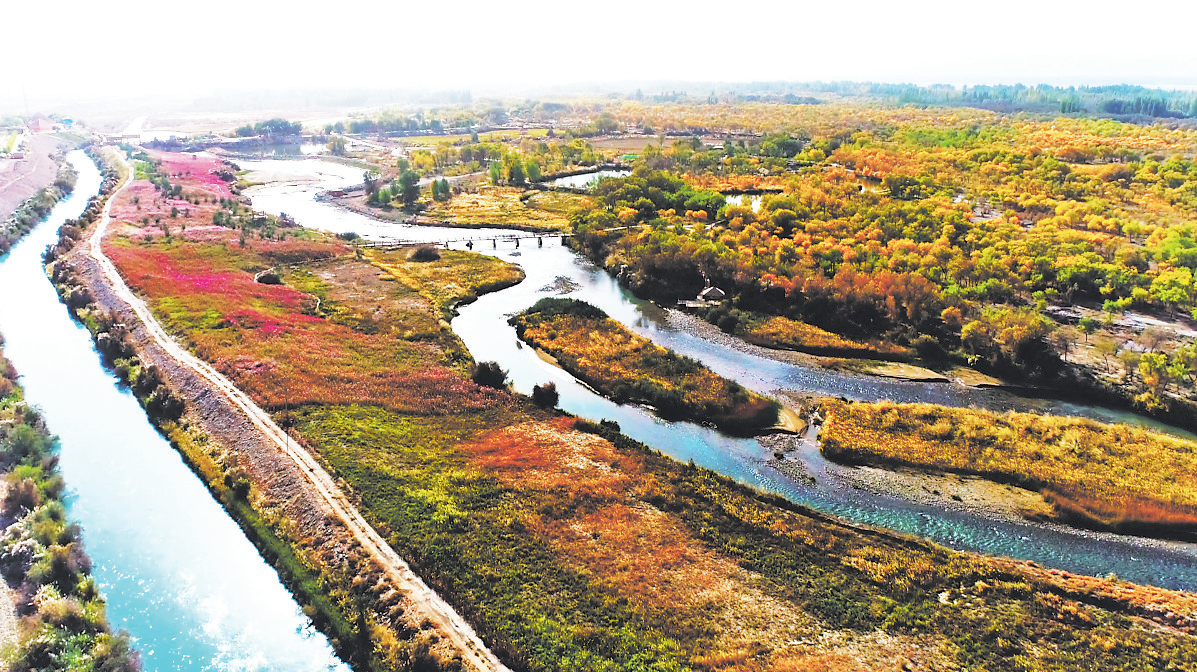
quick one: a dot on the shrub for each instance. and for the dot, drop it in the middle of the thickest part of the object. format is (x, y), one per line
(552, 307)
(929, 349)
(545, 396)
(490, 374)
(164, 404)
(424, 253)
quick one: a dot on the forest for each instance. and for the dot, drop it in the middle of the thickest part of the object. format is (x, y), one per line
(961, 235)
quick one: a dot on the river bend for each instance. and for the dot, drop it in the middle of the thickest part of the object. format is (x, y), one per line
(555, 271)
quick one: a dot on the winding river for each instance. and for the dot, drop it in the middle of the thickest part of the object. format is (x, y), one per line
(808, 478)
(177, 572)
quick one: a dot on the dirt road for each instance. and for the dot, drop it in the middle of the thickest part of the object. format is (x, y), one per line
(450, 624)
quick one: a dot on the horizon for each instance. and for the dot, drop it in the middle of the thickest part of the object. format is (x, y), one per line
(151, 53)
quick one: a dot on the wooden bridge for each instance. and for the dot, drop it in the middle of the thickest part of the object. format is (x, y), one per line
(479, 240)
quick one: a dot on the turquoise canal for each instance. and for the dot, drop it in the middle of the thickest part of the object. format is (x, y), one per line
(555, 271)
(177, 572)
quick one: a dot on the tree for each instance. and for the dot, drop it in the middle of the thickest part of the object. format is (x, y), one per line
(441, 190)
(1130, 364)
(1087, 325)
(533, 171)
(1106, 347)
(336, 146)
(903, 187)
(409, 187)
(496, 175)
(1153, 367)
(1064, 341)
(516, 174)
(370, 182)
(1173, 286)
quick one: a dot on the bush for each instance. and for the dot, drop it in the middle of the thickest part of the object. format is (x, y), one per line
(164, 404)
(490, 374)
(552, 307)
(929, 349)
(545, 396)
(424, 253)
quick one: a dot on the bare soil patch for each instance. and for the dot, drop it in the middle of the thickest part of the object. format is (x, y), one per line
(22, 178)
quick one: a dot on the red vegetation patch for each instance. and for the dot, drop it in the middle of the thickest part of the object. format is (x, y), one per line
(262, 337)
(141, 200)
(548, 454)
(184, 271)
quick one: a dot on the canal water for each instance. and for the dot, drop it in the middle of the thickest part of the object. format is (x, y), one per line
(555, 271)
(178, 574)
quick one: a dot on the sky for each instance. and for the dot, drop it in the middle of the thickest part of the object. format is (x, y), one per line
(97, 51)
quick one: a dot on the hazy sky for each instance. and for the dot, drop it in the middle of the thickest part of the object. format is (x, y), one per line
(169, 49)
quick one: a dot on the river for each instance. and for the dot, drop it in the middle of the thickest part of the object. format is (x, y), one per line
(176, 571)
(554, 271)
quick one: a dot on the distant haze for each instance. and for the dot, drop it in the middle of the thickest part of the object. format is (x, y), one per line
(144, 54)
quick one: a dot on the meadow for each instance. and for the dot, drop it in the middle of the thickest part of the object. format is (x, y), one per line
(507, 207)
(1107, 476)
(630, 368)
(781, 333)
(572, 547)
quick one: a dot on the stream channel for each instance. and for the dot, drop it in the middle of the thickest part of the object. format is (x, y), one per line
(808, 479)
(176, 570)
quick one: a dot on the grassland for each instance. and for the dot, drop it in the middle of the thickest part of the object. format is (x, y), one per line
(1106, 476)
(508, 207)
(782, 333)
(630, 368)
(456, 277)
(574, 548)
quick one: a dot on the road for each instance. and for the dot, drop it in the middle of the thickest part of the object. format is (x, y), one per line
(450, 624)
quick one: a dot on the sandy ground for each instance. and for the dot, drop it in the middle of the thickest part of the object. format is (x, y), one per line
(22, 178)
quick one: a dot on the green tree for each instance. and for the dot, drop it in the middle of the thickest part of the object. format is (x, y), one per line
(1087, 325)
(516, 175)
(496, 174)
(370, 182)
(533, 171)
(903, 187)
(1173, 287)
(409, 187)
